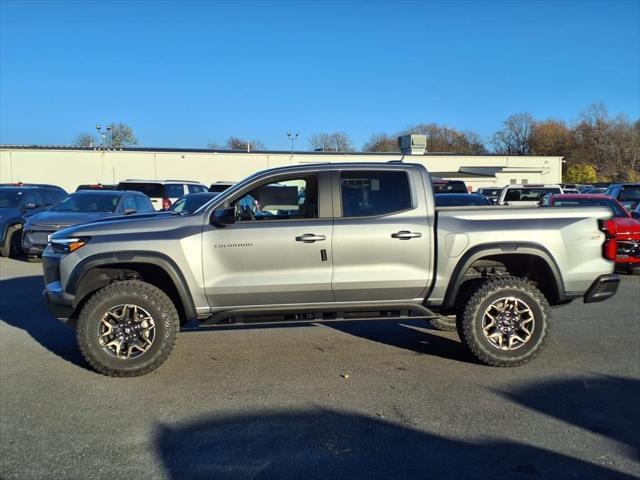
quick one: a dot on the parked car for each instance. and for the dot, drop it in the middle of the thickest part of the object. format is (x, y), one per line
(163, 192)
(440, 185)
(365, 241)
(527, 194)
(80, 207)
(461, 200)
(192, 202)
(96, 186)
(220, 186)
(19, 201)
(626, 228)
(492, 193)
(628, 194)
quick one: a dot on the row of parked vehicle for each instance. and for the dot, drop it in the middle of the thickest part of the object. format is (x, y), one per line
(622, 199)
(29, 213)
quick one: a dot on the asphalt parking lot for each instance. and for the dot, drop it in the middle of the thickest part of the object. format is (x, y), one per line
(370, 399)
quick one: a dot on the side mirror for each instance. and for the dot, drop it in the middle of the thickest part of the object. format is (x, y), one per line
(223, 217)
(30, 206)
(130, 211)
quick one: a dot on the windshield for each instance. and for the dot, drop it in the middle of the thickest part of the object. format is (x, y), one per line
(10, 198)
(618, 211)
(531, 194)
(87, 202)
(190, 203)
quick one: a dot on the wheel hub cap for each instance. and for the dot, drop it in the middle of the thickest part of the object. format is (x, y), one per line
(126, 331)
(508, 323)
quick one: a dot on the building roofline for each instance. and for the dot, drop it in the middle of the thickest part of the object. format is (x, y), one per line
(263, 152)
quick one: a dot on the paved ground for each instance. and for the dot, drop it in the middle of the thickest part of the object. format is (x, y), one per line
(274, 403)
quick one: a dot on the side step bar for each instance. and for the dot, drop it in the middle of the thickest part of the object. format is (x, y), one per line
(297, 314)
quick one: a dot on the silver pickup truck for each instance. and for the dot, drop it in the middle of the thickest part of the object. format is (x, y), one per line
(314, 243)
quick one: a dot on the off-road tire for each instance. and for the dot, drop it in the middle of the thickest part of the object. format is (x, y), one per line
(12, 247)
(134, 292)
(444, 323)
(469, 322)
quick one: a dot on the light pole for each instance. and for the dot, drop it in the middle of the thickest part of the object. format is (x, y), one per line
(292, 136)
(103, 133)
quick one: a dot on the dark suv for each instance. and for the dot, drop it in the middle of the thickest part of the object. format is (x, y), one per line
(628, 194)
(18, 202)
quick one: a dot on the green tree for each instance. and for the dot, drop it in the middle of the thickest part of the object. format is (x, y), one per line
(581, 173)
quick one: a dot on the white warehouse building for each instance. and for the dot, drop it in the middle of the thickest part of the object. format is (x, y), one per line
(69, 167)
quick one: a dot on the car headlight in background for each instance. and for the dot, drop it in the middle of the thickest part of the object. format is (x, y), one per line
(67, 245)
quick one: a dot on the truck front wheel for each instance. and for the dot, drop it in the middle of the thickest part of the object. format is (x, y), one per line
(127, 329)
(504, 321)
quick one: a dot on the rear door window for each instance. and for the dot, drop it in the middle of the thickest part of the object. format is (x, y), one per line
(173, 190)
(368, 193)
(149, 189)
(197, 188)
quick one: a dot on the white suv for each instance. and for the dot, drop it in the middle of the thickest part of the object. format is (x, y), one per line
(163, 192)
(526, 194)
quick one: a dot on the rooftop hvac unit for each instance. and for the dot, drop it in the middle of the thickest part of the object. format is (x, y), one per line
(413, 144)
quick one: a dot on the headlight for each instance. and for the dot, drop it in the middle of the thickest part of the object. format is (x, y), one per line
(67, 245)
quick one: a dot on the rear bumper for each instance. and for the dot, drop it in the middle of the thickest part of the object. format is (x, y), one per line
(604, 287)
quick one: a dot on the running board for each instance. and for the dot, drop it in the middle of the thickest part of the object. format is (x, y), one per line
(298, 314)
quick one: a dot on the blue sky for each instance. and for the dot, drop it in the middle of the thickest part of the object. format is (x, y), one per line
(182, 74)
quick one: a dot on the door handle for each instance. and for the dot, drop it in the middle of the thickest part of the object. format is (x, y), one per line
(310, 238)
(406, 235)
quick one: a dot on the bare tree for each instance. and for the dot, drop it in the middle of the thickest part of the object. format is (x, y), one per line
(515, 136)
(331, 142)
(121, 135)
(85, 140)
(238, 144)
(381, 142)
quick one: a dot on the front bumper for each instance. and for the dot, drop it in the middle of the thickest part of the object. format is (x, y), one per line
(604, 287)
(59, 302)
(35, 241)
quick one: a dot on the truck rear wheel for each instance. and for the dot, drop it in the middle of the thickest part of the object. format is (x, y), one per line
(504, 321)
(127, 329)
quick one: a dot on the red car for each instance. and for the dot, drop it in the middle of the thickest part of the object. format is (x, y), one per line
(625, 227)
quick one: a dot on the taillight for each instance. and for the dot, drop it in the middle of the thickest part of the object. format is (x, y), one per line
(610, 246)
(166, 204)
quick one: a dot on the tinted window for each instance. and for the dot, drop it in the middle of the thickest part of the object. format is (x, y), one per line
(630, 194)
(51, 197)
(32, 197)
(367, 193)
(173, 190)
(128, 203)
(87, 202)
(292, 198)
(149, 189)
(197, 188)
(143, 204)
(453, 200)
(190, 203)
(530, 194)
(219, 187)
(450, 186)
(10, 198)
